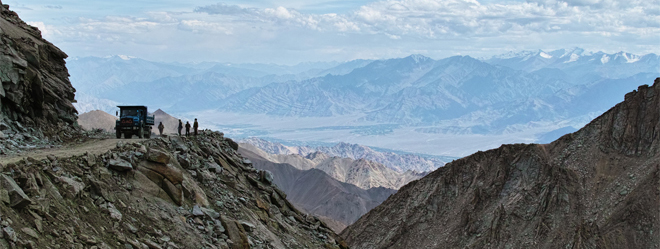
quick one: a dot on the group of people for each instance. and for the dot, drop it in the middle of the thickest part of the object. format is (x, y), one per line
(195, 126)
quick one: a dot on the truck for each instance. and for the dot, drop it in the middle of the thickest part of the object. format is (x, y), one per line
(134, 120)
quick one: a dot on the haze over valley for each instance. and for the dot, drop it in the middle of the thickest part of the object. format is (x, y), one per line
(448, 107)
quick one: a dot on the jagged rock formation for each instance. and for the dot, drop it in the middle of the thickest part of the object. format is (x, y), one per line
(319, 194)
(36, 92)
(97, 120)
(160, 193)
(596, 188)
(363, 173)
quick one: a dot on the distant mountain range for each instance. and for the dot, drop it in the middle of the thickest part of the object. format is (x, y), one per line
(456, 95)
(395, 161)
(360, 172)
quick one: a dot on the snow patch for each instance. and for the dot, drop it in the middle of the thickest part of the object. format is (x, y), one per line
(544, 55)
(574, 57)
(605, 59)
(125, 57)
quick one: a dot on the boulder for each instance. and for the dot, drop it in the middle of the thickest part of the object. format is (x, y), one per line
(236, 233)
(71, 187)
(120, 165)
(232, 144)
(9, 234)
(158, 156)
(18, 198)
(175, 193)
(266, 176)
(166, 170)
(179, 144)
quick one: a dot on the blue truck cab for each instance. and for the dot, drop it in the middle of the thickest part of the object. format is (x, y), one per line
(134, 120)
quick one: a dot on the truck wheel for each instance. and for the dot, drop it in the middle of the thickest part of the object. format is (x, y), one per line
(141, 133)
(148, 135)
(118, 134)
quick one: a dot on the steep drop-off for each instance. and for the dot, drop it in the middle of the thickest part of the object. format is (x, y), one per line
(596, 188)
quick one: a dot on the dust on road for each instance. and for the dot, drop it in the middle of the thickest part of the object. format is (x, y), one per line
(95, 146)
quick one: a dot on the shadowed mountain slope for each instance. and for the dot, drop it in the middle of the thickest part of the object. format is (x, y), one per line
(317, 193)
(596, 188)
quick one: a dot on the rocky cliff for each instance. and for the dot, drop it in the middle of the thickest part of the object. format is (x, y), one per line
(161, 193)
(596, 188)
(36, 95)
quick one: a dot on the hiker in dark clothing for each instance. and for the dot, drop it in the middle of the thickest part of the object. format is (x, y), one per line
(195, 126)
(180, 127)
(187, 128)
(160, 128)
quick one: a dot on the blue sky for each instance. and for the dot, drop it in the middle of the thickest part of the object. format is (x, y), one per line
(293, 31)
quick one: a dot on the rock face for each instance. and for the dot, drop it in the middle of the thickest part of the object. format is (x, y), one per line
(36, 92)
(596, 188)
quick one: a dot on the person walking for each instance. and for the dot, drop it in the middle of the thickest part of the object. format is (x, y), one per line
(160, 128)
(195, 126)
(187, 128)
(180, 127)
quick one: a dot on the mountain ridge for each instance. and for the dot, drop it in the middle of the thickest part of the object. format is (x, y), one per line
(597, 187)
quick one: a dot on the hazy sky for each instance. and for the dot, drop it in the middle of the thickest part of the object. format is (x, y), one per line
(291, 31)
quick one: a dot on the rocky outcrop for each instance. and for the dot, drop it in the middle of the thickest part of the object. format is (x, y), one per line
(36, 92)
(153, 201)
(596, 188)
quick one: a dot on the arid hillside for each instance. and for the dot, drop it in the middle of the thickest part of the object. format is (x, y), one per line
(596, 188)
(97, 120)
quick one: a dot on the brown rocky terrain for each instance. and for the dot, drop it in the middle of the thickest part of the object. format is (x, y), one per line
(596, 188)
(160, 193)
(97, 120)
(339, 204)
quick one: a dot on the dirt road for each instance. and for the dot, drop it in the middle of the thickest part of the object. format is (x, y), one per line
(95, 146)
